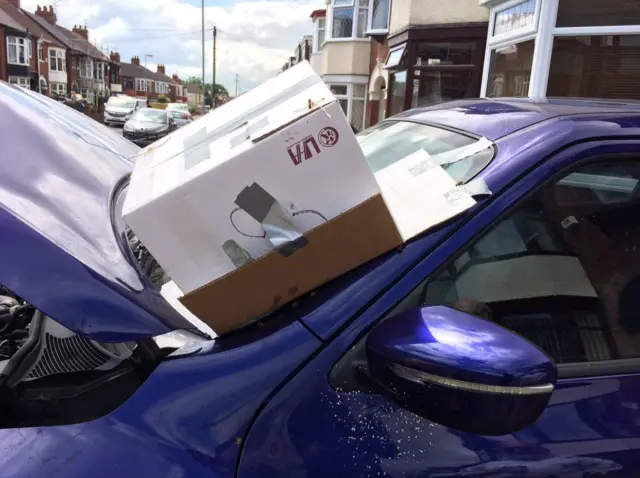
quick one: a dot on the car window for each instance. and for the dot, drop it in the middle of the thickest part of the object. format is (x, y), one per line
(121, 102)
(150, 115)
(462, 156)
(178, 114)
(562, 270)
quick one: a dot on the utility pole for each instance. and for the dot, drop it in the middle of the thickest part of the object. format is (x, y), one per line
(236, 85)
(202, 86)
(213, 83)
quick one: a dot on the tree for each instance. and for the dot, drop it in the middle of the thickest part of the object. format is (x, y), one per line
(219, 89)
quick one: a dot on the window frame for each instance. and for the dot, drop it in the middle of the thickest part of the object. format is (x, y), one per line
(515, 34)
(350, 99)
(377, 31)
(19, 43)
(486, 71)
(22, 81)
(354, 6)
(85, 65)
(60, 57)
(317, 44)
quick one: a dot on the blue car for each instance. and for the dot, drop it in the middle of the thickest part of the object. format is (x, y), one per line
(504, 342)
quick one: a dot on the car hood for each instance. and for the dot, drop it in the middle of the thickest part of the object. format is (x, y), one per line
(145, 126)
(59, 251)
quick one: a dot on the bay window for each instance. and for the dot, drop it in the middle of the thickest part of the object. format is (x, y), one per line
(322, 28)
(141, 85)
(57, 60)
(59, 89)
(378, 21)
(18, 51)
(564, 48)
(86, 67)
(20, 81)
(352, 99)
(40, 51)
(349, 18)
(98, 72)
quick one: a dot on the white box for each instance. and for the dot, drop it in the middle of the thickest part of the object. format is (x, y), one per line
(289, 135)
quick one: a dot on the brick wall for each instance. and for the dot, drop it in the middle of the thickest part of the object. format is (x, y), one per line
(3, 54)
(44, 64)
(379, 51)
(72, 73)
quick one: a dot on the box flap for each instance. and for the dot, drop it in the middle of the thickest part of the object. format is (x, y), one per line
(420, 194)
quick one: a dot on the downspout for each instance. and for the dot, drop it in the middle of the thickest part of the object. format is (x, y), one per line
(38, 62)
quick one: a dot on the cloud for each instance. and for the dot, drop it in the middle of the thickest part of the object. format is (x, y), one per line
(255, 38)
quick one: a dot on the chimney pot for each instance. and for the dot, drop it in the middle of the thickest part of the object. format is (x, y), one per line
(47, 14)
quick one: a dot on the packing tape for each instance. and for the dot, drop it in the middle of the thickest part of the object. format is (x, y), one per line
(475, 189)
(197, 141)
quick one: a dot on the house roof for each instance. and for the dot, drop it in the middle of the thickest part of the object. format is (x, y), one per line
(193, 88)
(318, 14)
(69, 39)
(135, 71)
(28, 23)
(5, 19)
(163, 77)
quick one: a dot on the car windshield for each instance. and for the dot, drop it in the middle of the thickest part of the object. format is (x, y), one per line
(120, 102)
(461, 155)
(149, 115)
(177, 106)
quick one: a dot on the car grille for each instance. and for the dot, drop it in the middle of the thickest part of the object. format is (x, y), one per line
(116, 115)
(142, 135)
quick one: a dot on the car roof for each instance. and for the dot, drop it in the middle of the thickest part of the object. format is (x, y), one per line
(499, 117)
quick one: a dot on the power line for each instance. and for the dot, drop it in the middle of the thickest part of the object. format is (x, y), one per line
(158, 37)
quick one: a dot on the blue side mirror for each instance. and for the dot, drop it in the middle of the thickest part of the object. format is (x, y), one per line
(460, 371)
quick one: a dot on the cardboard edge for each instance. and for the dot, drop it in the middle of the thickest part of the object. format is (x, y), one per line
(236, 271)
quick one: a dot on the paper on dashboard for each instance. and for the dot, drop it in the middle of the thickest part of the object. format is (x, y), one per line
(420, 194)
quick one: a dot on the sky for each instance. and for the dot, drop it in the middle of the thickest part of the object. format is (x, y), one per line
(255, 38)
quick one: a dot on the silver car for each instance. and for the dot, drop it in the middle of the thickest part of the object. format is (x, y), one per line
(119, 109)
(181, 117)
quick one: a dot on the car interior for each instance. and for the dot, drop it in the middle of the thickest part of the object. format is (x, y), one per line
(562, 269)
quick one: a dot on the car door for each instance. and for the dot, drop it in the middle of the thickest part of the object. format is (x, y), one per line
(556, 261)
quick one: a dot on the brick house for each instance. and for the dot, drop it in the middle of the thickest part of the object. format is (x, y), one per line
(48, 68)
(136, 79)
(302, 53)
(88, 69)
(181, 90)
(14, 43)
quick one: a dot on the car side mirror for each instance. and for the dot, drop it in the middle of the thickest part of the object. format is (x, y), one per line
(460, 371)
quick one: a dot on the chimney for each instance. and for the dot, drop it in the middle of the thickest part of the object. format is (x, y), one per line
(15, 3)
(115, 57)
(160, 69)
(47, 14)
(82, 31)
(176, 78)
(135, 60)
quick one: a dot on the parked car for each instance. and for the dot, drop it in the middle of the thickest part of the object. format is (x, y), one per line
(119, 109)
(180, 117)
(148, 125)
(503, 342)
(178, 106)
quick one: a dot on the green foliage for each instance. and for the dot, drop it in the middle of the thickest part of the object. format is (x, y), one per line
(162, 99)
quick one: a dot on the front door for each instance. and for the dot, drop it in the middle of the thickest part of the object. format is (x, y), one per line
(560, 267)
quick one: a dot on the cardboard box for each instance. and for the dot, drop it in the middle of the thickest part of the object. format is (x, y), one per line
(348, 241)
(287, 141)
(206, 184)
